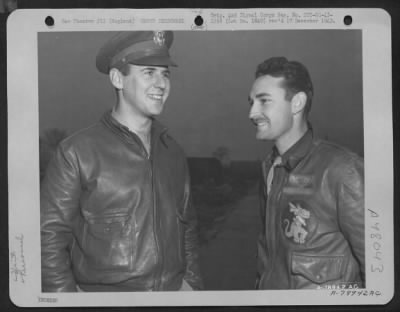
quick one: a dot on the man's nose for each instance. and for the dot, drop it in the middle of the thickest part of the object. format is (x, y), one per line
(161, 81)
(254, 110)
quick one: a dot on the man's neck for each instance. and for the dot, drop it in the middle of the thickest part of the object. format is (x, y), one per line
(134, 122)
(139, 125)
(289, 139)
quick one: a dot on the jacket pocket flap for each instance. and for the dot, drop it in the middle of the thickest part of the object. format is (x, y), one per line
(318, 269)
(108, 225)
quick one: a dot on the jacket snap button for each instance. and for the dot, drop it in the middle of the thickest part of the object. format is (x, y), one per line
(107, 229)
(318, 277)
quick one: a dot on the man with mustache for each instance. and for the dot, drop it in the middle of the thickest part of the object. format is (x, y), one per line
(116, 212)
(312, 192)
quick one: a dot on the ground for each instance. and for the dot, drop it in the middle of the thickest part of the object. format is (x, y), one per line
(228, 257)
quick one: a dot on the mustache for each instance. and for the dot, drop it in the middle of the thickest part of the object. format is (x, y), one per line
(258, 119)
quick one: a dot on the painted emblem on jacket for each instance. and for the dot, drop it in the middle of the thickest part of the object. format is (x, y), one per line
(295, 228)
(159, 38)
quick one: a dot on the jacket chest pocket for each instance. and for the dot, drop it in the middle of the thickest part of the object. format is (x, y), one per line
(108, 243)
(309, 271)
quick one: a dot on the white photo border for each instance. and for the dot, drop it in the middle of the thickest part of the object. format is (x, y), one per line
(23, 159)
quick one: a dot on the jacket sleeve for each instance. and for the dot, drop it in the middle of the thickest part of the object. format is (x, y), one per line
(351, 208)
(59, 201)
(191, 239)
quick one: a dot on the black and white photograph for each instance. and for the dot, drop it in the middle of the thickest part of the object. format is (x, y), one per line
(217, 111)
(191, 162)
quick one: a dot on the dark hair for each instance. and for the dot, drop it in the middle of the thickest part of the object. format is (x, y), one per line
(125, 69)
(297, 78)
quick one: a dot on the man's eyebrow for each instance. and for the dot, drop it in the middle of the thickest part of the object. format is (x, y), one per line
(258, 95)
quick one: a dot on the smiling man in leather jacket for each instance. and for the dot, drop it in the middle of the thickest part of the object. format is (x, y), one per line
(312, 191)
(116, 213)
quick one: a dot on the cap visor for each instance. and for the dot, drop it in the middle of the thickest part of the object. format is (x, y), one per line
(153, 61)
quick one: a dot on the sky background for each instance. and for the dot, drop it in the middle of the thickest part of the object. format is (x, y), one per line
(207, 107)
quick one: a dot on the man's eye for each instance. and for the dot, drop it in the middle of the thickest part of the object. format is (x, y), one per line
(149, 72)
(166, 74)
(265, 101)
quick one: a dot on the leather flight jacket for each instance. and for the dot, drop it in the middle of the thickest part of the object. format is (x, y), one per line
(114, 218)
(313, 219)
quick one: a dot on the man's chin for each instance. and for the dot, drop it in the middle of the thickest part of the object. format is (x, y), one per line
(262, 136)
(156, 111)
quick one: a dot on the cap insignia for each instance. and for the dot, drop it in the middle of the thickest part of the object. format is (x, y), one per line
(159, 38)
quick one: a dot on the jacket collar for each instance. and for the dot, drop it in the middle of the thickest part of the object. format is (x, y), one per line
(292, 157)
(157, 129)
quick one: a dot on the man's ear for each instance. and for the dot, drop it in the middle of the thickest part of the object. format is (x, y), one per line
(116, 78)
(298, 102)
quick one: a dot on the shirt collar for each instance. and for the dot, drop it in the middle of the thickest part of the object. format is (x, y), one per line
(292, 157)
(157, 129)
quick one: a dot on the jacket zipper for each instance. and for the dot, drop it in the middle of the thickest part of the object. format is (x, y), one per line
(156, 225)
(274, 197)
(158, 273)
